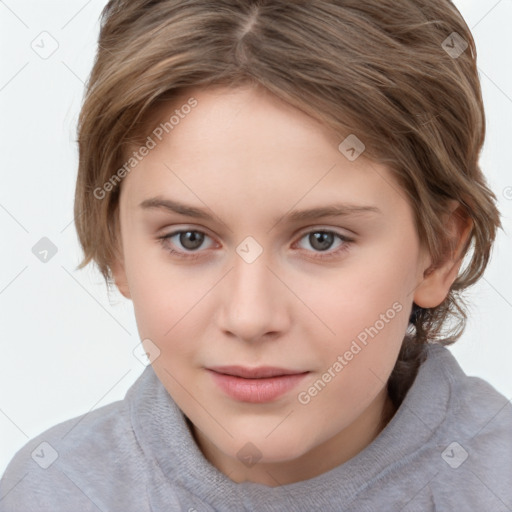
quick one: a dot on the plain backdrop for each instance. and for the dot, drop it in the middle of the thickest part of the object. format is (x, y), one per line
(66, 346)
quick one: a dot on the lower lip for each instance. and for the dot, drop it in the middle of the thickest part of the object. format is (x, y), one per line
(256, 391)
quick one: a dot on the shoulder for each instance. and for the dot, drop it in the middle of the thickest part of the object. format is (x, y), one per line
(474, 443)
(468, 398)
(476, 408)
(72, 465)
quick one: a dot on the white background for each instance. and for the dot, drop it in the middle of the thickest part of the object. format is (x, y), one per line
(66, 346)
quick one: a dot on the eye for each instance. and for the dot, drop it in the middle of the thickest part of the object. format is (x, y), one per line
(188, 239)
(322, 240)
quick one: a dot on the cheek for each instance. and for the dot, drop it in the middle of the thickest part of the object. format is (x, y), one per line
(165, 299)
(351, 299)
(364, 313)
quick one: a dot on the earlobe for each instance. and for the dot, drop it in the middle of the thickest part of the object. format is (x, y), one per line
(438, 279)
(117, 265)
(119, 275)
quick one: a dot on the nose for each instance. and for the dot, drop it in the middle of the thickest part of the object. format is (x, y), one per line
(255, 303)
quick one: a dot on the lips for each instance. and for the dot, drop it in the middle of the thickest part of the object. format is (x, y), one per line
(255, 385)
(262, 372)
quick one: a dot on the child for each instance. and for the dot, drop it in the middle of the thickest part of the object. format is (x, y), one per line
(287, 192)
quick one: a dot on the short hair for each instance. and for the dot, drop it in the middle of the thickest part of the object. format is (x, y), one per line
(400, 75)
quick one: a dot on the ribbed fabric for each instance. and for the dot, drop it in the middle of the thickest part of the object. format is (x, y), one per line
(138, 455)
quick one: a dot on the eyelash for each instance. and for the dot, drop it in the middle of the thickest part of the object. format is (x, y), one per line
(320, 255)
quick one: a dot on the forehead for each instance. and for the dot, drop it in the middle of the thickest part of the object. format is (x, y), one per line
(246, 114)
(245, 145)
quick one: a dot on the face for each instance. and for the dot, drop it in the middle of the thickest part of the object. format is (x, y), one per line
(229, 273)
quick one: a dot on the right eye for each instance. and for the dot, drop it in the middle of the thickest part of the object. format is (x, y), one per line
(189, 240)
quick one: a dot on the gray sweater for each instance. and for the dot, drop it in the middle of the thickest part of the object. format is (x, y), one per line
(447, 448)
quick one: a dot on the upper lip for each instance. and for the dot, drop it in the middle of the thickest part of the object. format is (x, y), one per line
(260, 372)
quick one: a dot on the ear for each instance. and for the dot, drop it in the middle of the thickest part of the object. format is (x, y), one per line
(119, 274)
(438, 278)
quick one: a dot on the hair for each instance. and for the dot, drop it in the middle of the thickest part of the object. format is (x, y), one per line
(378, 69)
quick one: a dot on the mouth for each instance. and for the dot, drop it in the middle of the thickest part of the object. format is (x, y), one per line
(262, 372)
(255, 385)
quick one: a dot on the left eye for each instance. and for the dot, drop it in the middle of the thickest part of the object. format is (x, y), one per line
(322, 241)
(191, 240)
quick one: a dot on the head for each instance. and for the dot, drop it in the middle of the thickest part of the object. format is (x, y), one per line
(253, 111)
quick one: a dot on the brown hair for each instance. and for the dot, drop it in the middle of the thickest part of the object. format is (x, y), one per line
(381, 70)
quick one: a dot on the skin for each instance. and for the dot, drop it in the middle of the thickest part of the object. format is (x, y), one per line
(249, 158)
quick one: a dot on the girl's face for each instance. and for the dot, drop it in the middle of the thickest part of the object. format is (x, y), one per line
(230, 260)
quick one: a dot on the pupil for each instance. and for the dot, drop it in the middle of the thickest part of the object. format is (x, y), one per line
(321, 241)
(191, 239)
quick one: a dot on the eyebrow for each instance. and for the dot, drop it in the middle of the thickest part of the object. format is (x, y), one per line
(333, 210)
